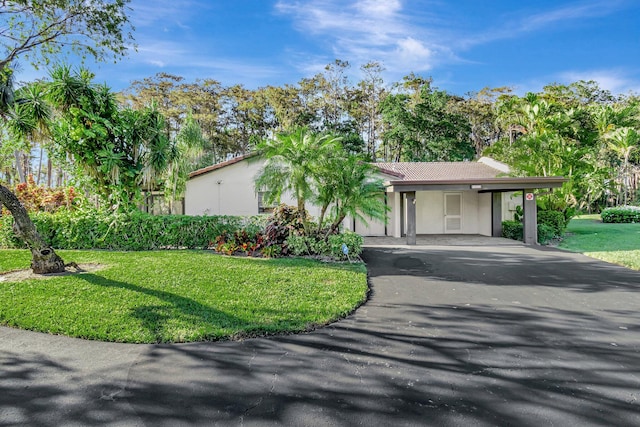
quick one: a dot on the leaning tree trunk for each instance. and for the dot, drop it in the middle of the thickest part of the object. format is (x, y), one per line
(43, 257)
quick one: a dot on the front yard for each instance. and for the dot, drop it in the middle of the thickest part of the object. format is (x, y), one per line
(179, 296)
(615, 243)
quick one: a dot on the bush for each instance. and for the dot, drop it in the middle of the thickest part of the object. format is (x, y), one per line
(553, 219)
(331, 247)
(546, 233)
(38, 198)
(514, 230)
(131, 231)
(621, 214)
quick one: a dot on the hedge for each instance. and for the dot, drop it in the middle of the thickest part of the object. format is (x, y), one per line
(621, 214)
(132, 231)
(515, 230)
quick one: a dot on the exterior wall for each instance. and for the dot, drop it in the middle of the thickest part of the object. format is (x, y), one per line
(225, 191)
(509, 203)
(476, 212)
(429, 212)
(484, 214)
(470, 213)
(230, 191)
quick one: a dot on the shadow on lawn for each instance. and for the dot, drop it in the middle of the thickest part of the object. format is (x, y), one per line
(155, 318)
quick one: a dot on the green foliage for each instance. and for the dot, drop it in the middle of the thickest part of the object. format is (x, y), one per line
(353, 241)
(546, 233)
(512, 230)
(553, 219)
(136, 231)
(39, 30)
(121, 150)
(291, 162)
(330, 246)
(515, 230)
(180, 296)
(621, 215)
(282, 223)
(422, 127)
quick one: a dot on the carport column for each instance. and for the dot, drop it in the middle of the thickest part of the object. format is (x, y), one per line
(530, 232)
(496, 214)
(411, 218)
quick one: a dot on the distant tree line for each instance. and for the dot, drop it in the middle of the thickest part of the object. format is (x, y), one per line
(579, 130)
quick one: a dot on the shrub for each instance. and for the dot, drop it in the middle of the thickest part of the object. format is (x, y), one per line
(352, 240)
(546, 233)
(621, 214)
(283, 222)
(514, 230)
(330, 247)
(554, 219)
(37, 198)
(92, 229)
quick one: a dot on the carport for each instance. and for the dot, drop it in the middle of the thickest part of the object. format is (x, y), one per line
(459, 198)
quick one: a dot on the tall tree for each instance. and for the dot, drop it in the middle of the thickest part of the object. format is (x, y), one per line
(37, 31)
(121, 150)
(420, 125)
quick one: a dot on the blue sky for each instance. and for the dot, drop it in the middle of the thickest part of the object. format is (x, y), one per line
(464, 45)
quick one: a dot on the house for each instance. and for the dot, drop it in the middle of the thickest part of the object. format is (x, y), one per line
(423, 198)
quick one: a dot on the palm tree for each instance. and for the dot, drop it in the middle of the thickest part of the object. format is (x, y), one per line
(291, 161)
(188, 147)
(30, 117)
(357, 193)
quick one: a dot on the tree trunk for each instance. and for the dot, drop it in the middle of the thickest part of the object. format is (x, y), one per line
(43, 257)
(21, 173)
(39, 166)
(49, 172)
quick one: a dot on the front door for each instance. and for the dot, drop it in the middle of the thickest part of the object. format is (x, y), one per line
(452, 212)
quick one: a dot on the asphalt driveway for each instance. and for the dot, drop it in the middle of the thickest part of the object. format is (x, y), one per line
(480, 335)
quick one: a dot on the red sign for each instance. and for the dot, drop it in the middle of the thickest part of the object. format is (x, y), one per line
(529, 196)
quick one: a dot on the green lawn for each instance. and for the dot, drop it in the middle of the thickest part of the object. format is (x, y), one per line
(179, 296)
(615, 243)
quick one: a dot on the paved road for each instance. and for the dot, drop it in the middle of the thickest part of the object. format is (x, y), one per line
(451, 336)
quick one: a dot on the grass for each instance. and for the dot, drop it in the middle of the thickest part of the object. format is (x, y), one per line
(179, 296)
(615, 243)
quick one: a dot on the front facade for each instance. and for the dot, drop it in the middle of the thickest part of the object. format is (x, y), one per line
(423, 198)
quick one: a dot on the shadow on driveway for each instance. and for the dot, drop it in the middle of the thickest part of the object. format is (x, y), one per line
(460, 336)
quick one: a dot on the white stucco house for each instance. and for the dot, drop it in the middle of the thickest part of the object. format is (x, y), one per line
(424, 198)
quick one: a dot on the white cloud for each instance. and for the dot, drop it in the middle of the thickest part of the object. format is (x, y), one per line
(513, 26)
(617, 81)
(367, 30)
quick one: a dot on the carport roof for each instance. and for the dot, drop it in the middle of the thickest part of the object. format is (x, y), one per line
(484, 175)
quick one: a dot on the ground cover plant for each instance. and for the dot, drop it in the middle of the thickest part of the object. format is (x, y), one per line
(615, 243)
(179, 296)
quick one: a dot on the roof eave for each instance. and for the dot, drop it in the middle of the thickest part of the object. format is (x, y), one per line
(479, 184)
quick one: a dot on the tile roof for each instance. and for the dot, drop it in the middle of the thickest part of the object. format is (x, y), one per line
(438, 171)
